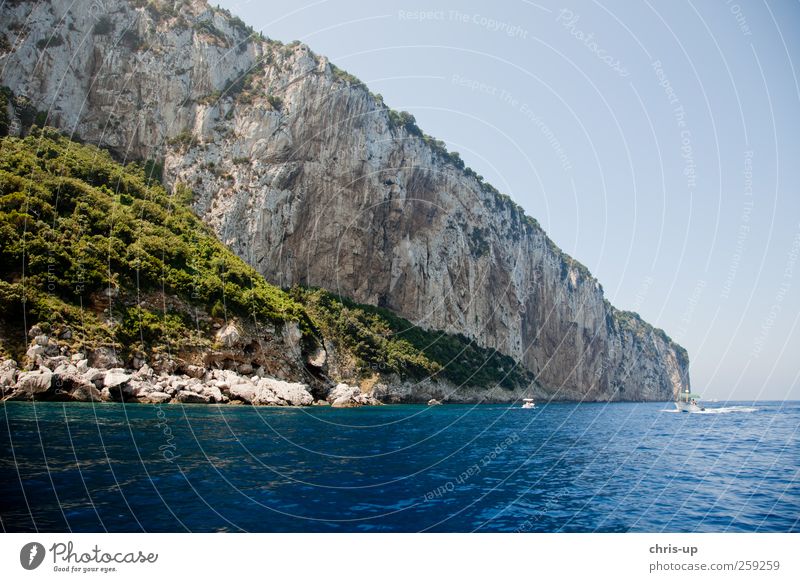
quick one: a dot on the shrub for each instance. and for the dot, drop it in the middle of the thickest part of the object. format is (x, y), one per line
(50, 42)
(154, 170)
(184, 138)
(131, 39)
(242, 85)
(405, 120)
(143, 327)
(240, 25)
(208, 27)
(25, 110)
(338, 73)
(5, 100)
(103, 26)
(218, 309)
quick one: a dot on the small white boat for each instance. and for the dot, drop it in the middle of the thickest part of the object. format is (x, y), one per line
(528, 403)
(689, 402)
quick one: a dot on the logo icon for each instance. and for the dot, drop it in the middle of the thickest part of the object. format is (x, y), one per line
(31, 555)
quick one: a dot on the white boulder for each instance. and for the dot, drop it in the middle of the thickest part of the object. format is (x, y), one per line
(343, 396)
(246, 392)
(292, 393)
(35, 382)
(115, 377)
(229, 335)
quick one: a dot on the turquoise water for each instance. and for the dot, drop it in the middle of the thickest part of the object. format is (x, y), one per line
(559, 467)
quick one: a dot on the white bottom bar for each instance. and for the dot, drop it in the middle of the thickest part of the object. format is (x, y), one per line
(388, 557)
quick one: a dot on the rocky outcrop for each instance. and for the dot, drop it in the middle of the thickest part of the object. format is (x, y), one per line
(32, 383)
(344, 396)
(8, 374)
(81, 383)
(69, 377)
(312, 180)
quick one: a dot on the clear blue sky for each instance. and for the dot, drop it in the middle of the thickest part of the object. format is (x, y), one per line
(656, 142)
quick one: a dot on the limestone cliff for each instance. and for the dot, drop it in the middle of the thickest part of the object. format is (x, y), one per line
(313, 180)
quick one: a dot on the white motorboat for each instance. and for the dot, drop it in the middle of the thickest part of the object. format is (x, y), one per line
(688, 402)
(528, 403)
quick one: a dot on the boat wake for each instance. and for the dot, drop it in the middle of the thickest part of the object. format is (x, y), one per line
(720, 410)
(727, 410)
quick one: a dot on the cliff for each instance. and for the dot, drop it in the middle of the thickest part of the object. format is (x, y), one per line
(111, 288)
(312, 180)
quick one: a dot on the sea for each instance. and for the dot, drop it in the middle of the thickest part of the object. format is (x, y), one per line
(599, 467)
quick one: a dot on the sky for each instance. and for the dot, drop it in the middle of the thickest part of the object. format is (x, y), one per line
(657, 142)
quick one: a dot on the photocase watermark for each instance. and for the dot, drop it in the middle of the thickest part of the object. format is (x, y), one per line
(51, 277)
(450, 486)
(197, 294)
(69, 560)
(569, 21)
(475, 18)
(31, 555)
(642, 292)
(472, 470)
(377, 367)
(777, 303)
(615, 351)
(552, 501)
(478, 86)
(509, 99)
(691, 305)
(168, 448)
(610, 358)
(491, 24)
(97, 10)
(686, 147)
(744, 226)
(741, 21)
(192, 267)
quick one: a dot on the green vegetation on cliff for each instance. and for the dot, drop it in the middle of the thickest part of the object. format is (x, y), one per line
(383, 341)
(97, 248)
(76, 227)
(632, 322)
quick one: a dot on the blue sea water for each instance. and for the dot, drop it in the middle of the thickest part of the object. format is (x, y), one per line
(560, 467)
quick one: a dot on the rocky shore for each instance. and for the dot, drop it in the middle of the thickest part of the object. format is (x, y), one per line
(85, 378)
(53, 371)
(74, 380)
(53, 374)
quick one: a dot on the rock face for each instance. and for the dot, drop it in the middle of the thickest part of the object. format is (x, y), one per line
(344, 396)
(115, 377)
(312, 180)
(69, 382)
(8, 375)
(35, 382)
